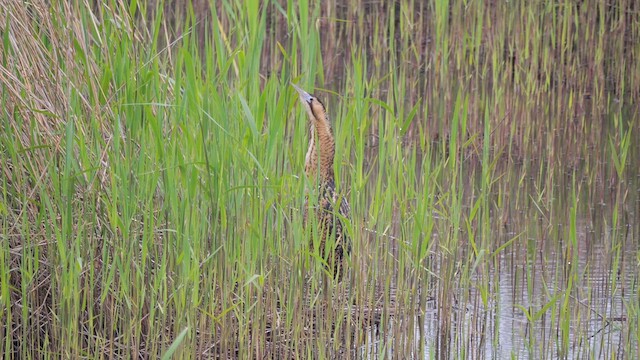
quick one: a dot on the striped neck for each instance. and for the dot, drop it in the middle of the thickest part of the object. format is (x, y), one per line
(321, 152)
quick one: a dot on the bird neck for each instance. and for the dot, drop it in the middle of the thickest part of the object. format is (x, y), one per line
(319, 160)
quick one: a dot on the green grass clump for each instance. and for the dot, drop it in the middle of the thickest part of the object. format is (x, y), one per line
(151, 179)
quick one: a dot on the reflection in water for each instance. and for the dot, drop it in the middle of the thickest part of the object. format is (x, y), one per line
(567, 278)
(523, 320)
(509, 331)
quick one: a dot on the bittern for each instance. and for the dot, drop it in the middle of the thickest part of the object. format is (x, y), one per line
(332, 207)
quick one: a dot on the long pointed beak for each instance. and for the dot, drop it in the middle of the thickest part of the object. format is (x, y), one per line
(303, 94)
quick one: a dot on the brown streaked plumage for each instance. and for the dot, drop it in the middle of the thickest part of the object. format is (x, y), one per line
(332, 207)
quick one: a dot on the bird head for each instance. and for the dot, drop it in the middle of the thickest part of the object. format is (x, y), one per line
(315, 108)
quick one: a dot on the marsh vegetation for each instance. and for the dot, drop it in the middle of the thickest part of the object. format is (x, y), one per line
(152, 174)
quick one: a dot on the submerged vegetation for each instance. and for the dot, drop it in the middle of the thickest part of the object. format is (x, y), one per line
(152, 161)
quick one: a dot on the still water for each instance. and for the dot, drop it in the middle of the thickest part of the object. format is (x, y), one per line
(542, 290)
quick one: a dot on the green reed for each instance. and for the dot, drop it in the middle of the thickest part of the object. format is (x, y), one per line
(152, 179)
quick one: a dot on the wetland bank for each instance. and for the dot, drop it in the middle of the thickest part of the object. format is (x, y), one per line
(152, 172)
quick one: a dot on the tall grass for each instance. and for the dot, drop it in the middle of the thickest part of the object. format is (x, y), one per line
(152, 176)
